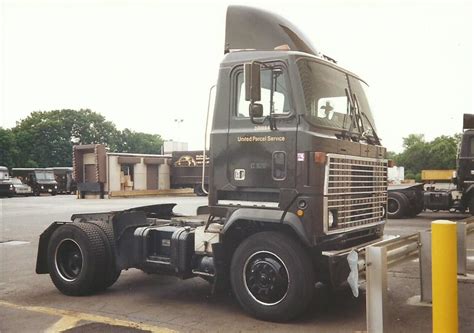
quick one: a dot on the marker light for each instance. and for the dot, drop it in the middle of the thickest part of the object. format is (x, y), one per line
(319, 157)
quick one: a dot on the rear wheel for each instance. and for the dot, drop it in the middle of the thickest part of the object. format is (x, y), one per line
(272, 276)
(113, 272)
(77, 258)
(397, 205)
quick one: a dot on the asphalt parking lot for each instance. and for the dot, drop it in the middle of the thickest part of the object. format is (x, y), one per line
(141, 302)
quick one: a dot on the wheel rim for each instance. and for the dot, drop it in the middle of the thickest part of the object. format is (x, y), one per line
(266, 278)
(393, 206)
(68, 259)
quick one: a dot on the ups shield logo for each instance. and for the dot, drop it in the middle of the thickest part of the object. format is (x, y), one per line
(185, 161)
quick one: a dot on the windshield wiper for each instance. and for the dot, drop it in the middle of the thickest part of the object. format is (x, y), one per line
(365, 133)
(351, 108)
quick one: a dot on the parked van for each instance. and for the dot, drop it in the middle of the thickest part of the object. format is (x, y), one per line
(39, 179)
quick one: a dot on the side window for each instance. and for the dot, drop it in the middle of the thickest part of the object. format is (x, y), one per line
(280, 94)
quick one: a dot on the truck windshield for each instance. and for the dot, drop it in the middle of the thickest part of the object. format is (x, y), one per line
(325, 93)
(43, 175)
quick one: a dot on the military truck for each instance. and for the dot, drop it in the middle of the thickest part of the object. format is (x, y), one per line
(410, 200)
(297, 179)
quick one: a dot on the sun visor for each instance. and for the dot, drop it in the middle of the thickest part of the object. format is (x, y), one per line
(256, 29)
(468, 121)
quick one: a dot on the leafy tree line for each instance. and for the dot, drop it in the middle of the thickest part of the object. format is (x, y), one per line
(419, 154)
(45, 138)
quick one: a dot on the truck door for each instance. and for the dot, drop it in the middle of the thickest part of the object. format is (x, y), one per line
(260, 159)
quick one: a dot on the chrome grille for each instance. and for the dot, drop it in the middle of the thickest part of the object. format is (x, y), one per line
(356, 190)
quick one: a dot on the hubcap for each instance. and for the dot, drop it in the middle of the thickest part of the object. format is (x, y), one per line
(266, 278)
(68, 259)
(393, 206)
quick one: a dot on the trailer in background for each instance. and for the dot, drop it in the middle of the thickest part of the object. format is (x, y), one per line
(186, 171)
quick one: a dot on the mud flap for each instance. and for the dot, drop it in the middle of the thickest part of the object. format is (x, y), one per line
(42, 256)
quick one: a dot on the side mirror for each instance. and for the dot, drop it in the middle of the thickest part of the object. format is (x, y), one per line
(252, 82)
(255, 110)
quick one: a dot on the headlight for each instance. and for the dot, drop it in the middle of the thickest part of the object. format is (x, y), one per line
(55, 186)
(331, 219)
(42, 187)
(12, 187)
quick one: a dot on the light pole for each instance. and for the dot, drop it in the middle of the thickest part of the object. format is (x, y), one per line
(178, 122)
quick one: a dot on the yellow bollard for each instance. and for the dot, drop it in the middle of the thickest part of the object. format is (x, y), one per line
(444, 276)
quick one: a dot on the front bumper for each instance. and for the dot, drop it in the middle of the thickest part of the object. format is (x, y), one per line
(336, 260)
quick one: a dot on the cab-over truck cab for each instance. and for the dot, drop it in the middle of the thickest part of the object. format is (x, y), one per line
(296, 174)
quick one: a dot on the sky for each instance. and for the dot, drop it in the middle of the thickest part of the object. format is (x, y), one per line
(145, 64)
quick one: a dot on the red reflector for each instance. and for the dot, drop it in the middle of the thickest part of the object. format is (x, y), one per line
(320, 157)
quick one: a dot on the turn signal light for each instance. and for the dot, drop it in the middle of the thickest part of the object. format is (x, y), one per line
(319, 157)
(300, 213)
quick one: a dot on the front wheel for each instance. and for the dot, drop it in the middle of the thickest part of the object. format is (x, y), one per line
(272, 276)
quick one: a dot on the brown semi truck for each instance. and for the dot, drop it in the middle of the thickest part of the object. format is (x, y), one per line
(297, 180)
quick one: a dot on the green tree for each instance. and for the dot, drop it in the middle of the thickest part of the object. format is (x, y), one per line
(138, 142)
(418, 154)
(46, 138)
(8, 148)
(442, 152)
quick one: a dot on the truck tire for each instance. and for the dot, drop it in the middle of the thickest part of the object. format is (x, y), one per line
(77, 258)
(113, 272)
(397, 205)
(272, 276)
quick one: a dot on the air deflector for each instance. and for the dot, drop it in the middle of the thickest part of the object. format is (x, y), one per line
(252, 28)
